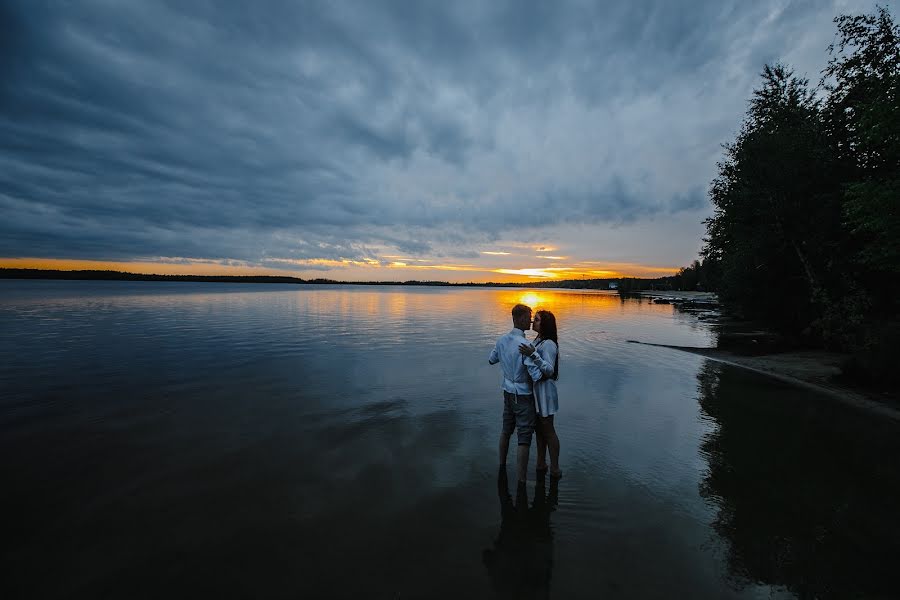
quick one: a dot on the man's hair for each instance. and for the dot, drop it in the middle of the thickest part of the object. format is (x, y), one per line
(519, 311)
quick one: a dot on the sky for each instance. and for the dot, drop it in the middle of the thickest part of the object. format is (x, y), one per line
(396, 140)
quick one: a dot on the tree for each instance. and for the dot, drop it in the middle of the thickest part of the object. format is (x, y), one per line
(807, 197)
(862, 116)
(862, 120)
(776, 207)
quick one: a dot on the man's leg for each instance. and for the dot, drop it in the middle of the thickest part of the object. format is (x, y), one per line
(522, 461)
(509, 426)
(504, 447)
(525, 422)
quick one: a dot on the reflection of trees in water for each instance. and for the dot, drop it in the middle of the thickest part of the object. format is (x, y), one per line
(805, 490)
(521, 560)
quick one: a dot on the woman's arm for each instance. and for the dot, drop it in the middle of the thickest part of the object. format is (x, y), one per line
(542, 362)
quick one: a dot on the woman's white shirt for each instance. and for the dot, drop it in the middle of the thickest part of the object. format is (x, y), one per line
(542, 368)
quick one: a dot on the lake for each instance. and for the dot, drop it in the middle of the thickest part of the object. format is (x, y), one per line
(286, 441)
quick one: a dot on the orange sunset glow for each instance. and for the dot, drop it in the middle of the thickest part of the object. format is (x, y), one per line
(393, 268)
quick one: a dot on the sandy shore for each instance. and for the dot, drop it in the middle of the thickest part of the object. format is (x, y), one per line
(812, 369)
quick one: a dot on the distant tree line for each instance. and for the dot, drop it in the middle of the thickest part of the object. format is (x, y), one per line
(806, 229)
(105, 275)
(701, 275)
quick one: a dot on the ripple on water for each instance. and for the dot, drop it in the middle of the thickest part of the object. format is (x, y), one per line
(254, 425)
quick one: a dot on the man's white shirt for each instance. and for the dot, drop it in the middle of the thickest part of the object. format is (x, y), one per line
(516, 379)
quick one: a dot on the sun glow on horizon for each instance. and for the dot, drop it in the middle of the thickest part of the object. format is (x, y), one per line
(531, 299)
(387, 268)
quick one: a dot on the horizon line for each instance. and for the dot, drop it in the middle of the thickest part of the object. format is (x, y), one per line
(350, 271)
(319, 279)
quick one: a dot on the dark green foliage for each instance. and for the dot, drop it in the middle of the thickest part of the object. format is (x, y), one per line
(862, 117)
(699, 276)
(777, 209)
(871, 215)
(805, 231)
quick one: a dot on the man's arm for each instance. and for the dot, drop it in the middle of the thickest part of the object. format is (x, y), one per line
(495, 354)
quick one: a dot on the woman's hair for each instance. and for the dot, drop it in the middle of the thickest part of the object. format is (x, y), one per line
(548, 332)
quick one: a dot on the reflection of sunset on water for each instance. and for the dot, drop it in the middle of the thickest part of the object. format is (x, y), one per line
(563, 302)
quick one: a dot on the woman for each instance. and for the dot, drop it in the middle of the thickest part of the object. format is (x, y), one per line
(542, 360)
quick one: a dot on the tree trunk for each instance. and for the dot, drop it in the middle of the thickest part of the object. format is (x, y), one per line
(813, 282)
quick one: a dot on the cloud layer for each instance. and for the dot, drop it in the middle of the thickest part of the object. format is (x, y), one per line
(272, 132)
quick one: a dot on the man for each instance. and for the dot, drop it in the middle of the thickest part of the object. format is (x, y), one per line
(518, 399)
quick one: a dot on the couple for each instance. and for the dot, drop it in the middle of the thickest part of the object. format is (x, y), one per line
(529, 374)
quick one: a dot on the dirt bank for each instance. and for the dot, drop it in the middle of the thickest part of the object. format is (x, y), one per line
(813, 369)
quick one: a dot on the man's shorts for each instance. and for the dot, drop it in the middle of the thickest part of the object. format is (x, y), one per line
(519, 414)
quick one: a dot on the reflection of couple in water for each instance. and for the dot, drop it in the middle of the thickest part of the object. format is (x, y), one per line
(530, 399)
(521, 559)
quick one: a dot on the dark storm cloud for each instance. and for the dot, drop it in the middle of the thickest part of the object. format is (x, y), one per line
(260, 130)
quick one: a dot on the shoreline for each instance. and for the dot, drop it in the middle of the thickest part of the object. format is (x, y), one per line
(106, 275)
(677, 295)
(748, 345)
(810, 369)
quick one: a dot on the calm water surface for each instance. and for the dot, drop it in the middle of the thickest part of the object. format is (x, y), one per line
(216, 440)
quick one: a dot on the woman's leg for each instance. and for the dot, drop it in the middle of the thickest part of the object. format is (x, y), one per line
(551, 441)
(541, 445)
